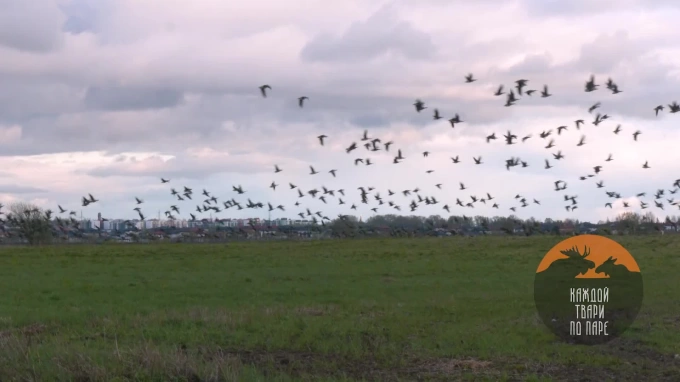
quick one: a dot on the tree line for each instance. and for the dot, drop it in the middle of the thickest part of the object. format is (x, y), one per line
(36, 226)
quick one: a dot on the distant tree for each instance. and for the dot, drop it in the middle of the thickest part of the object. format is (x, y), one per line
(436, 221)
(345, 227)
(630, 216)
(648, 218)
(32, 223)
(629, 221)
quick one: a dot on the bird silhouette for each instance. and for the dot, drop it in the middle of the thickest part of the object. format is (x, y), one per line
(263, 90)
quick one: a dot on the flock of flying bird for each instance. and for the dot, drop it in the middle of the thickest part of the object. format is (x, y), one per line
(208, 202)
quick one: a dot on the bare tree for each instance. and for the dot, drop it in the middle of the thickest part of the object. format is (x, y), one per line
(32, 223)
(648, 218)
(629, 221)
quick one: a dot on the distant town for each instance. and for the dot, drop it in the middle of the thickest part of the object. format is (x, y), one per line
(150, 224)
(73, 230)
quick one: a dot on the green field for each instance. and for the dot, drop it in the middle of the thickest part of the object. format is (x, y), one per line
(341, 310)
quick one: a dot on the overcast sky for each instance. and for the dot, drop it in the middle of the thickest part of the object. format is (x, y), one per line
(107, 96)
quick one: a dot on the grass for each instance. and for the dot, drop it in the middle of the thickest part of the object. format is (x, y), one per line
(374, 309)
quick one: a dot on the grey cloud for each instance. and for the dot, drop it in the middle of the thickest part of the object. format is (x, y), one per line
(30, 25)
(200, 123)
(572, 8)
(631, 63)
(608, 51)
(84, 15)
(195, 102)
(129, 98)
(565, 8)
(14, 189)
(602, 55)
(22, 99)
(532, 63)
(370, 120)
(382, 33)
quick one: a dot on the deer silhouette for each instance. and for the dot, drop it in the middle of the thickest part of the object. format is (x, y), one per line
(611, 269)
(573, 265)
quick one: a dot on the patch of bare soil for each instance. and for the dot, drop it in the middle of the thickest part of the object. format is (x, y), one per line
(638, 363)
(26, 331)
(312, 365)
(643, 361)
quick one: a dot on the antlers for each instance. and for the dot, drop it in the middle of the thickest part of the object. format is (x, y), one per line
(574, 253)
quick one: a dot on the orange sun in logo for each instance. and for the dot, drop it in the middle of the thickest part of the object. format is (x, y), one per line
(601, 251)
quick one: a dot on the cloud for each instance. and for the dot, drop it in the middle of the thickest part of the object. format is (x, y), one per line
(13, 189)
(108, 96)
(194, 164)
(382, 33)
(568, 9)
(31, 25)
(116, 98)
(10, 134)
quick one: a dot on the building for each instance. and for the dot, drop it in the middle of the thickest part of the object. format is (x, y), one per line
(86, 224)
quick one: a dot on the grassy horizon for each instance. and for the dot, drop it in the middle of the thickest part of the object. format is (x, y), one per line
(372, 309)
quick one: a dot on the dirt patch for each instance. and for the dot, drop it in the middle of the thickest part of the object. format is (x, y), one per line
(447, 368)
(300, 364)
(637, 361)
(637, 353)
(26, 331)
(312, 311)
(673, 322)
(449, 365)
(310, 366)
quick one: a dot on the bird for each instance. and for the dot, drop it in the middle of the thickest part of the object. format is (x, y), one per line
(592, 108)
(590, 84)
(263, 90)
(420, 106)
(436, 193)
(520, 84)
(545, 93)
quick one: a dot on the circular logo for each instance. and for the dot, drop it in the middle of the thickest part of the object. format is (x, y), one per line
(588, 289)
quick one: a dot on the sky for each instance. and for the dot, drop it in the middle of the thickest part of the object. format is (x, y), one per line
(106, 97)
